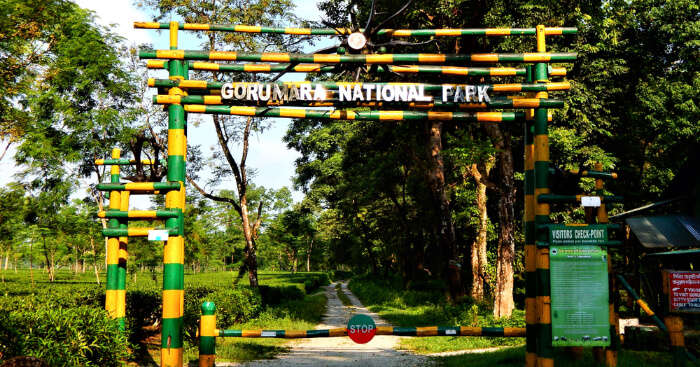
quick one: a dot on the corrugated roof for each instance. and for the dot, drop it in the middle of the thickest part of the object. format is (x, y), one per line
(668, 231)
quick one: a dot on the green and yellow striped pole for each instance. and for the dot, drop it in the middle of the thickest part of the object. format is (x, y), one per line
(602, 216)
(116, 284)
(422, 58)
(674, 324)
(123, 256)
(173, 253)
(530, 247)
(445, 32)
(207, 335)
(545, 352)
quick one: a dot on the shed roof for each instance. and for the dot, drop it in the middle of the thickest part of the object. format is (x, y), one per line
(668, 231)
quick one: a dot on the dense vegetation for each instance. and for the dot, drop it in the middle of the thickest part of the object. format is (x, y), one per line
(431, 206)
(64, 322)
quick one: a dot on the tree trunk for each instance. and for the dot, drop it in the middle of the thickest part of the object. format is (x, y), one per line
(251, 260)
(308, 255)
(478, 247)
(447, 250)
(94, 263)
(503, 295)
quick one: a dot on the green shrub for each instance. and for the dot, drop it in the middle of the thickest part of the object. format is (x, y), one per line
(276, 295)
(315, 282)
(78, 336)
(336, 275)
(233, 305)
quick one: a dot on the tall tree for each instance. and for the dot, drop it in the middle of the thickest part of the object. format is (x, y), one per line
(231, 131)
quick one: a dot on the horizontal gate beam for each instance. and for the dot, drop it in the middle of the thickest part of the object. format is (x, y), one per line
(357, 59)
(449, 32)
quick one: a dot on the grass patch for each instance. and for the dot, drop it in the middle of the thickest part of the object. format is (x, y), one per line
(424, 305)
(515, 357)
(343, 297)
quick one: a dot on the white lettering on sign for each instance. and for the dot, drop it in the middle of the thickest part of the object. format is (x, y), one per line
(361, 329)
(353, 92)
(158, 235)
(590, 201)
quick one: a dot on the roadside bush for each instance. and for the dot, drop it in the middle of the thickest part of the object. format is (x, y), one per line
(336, 275)
(78, 336)
(315, 282)
(276, 295)
(235, 305)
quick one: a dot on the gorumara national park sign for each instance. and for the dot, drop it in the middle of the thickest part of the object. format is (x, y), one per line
(352, 92)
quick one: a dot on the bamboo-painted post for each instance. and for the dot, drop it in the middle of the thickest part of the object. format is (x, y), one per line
(674, 324)
(530, 248)
(173, 253)
(602, 215)
(207, 335)
(115, 284)
(121, 261)
(545, 353)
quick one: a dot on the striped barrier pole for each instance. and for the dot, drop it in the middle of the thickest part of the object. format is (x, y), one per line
(556, 198)
(530, 248)
(538, 57)
(447, 32)
(115, 288)
(372, 115)
(319, 68)
(173, 253)
(124, 162)
(381, 330)
(545, 352)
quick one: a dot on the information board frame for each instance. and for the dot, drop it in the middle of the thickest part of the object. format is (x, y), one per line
(569, 265)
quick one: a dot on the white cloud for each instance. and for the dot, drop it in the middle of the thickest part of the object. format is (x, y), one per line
(122, 14)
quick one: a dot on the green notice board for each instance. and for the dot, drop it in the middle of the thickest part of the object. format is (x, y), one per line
(579, 291)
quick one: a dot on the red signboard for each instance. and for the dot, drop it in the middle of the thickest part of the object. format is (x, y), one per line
(684, 291)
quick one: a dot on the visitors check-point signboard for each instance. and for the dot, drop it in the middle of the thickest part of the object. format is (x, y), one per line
(361, 329)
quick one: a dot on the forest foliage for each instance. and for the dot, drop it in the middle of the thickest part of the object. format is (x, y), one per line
(374, 201)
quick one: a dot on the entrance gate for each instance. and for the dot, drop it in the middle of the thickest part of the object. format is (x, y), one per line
(408, 101)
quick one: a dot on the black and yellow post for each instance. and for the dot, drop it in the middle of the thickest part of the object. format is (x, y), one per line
(115, 293)
(174, 252)
(674, 324)
(545, 352)
(530, 247)
(602, 215)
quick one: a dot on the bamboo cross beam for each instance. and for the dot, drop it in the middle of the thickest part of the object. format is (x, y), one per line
(140, 214)
(513, 87)
(555, 198)
(135, 232)
(139, 186)
(494, 103)
(357, 59)
(447, 32)
(371, 115)
(319, 68)
(124, 161)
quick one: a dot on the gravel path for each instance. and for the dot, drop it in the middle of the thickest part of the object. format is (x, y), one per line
(380, 351)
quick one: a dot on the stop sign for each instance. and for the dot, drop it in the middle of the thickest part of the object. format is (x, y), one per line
(361, 329)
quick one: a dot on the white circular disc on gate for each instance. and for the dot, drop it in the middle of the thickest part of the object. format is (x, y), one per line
(357, 41)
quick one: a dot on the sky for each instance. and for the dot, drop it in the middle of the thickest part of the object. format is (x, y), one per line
(268, 155)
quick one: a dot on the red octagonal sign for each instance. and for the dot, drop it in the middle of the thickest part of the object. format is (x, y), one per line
(361, 329)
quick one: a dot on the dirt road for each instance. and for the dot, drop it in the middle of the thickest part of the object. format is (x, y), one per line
(380, 351)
